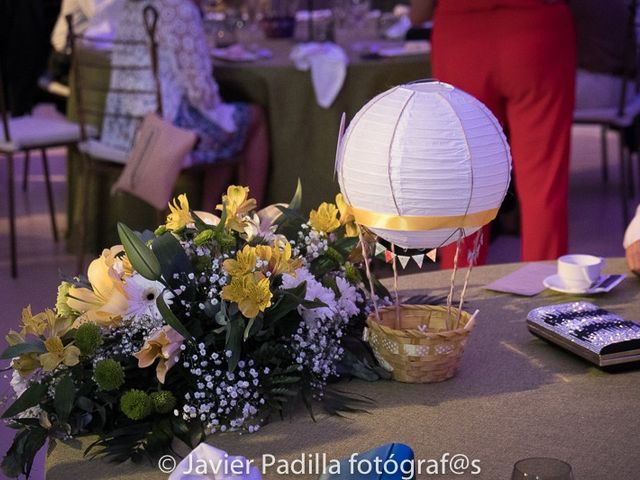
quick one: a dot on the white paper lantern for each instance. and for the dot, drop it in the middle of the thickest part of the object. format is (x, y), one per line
(421, 161)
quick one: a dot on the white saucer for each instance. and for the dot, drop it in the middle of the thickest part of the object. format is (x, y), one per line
(554, 282)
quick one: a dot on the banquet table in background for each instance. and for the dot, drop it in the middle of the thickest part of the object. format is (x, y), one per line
(303, 135)
(515, 396)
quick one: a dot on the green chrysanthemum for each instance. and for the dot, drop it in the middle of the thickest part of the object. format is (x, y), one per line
(62, 308)
(108, 375)
(203, 237)
(334, 255)
(163, 401)
(225, 240)
(330, 283)
(352, 274)
(88, 338)
(136, 404)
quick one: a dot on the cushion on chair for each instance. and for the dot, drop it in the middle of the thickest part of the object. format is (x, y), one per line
(104, 152)
(610, 116)
(34, 132)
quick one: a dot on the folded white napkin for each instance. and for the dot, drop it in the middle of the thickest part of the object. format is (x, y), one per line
(398, 30)
(633, 230)
(328, 65)
(217, 464)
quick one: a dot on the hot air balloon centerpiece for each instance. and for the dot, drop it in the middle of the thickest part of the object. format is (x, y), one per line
(421, 166)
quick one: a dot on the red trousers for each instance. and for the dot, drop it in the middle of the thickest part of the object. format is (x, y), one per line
(520, 62)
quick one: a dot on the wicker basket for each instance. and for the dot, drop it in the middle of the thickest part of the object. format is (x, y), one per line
(413, 355)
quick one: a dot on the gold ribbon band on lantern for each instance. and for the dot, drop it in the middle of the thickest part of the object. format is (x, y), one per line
(418, 222)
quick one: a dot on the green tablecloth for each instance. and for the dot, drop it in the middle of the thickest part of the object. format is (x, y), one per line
(515, 396)
(303, 135)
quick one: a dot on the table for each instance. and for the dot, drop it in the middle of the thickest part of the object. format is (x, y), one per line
(303, 135)
(515, 396)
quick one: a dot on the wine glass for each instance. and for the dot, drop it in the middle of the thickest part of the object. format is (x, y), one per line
(542, 468)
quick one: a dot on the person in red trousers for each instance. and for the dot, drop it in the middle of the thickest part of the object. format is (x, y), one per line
(517, 57)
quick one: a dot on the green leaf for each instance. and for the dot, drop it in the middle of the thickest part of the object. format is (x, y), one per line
(199, 223)
(296, 201)
(233, 342)
(281, 380)
(288, 302)
(19, 457)
(30, 398)
(141, 257)
(85, 404)
(19, 349)
(346, 245)
(248, 329)
(64, 397)
(223, 220)
(171, 319)
(171, 256)
(221, 316)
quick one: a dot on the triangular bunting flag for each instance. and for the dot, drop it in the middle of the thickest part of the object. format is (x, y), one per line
(418, 259)
(403, 259)
(379, 249)
(388, 256)
(431, 255)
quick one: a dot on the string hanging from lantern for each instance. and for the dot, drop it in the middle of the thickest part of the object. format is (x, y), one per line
(453, 277)
(365, 255)
(472, 259)
(395, 286)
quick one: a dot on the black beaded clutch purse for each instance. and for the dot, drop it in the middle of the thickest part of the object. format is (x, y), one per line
(589, 331)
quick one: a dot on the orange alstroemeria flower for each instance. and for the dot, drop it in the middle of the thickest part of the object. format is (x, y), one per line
(163, 344)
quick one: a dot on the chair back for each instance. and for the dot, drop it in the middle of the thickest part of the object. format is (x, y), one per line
(93, 67)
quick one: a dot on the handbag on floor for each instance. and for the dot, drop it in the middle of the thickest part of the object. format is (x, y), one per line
(154, 163)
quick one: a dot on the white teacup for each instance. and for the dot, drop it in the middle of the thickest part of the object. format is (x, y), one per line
(579, 271)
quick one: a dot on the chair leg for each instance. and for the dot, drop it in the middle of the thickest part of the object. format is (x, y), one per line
(25, 174)
(624, 184)
(83, 197)
(630, 176)
(47, 181)
(605, 153)
(12, 216)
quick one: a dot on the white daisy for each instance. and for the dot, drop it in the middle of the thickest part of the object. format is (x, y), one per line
(142, 295)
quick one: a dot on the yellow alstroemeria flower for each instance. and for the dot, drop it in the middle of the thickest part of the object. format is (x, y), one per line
(14, 338)
(244, 263)
(281, 261)
(346, 217)
(33, 324)
(265, 252)
(57, 353)
(325, 218)
(26, 364)
(251, 293)
(180, 215)
(106, 302)
(237, 204)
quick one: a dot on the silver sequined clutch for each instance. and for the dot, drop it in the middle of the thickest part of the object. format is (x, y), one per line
(589, 331)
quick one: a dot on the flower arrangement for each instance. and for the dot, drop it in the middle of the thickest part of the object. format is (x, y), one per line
(209, 324)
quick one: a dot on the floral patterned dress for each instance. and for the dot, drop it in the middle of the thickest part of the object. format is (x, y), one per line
(189, 94)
